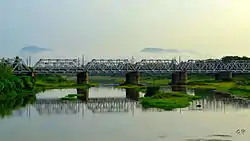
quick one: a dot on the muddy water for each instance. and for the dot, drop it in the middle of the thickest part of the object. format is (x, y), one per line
(121, 120)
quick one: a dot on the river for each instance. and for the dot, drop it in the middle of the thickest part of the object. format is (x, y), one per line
(123, 120)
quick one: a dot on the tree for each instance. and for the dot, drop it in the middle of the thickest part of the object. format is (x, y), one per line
(5, 70)
(233, 58)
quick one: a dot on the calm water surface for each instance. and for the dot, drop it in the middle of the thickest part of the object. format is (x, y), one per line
(125, 121)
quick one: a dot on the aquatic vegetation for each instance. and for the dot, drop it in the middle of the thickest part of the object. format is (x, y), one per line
(72, 96)
(167, 100)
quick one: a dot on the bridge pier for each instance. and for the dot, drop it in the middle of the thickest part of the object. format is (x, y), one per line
(179, 78)
(179, 88)
(82, 78)
(132, 78)
(226, 76)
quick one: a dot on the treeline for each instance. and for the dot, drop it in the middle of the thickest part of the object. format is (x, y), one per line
(230, 58)
(11, 83)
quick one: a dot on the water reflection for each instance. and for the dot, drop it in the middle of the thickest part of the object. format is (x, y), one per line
(53, 107)
(84, 92)
(109, 105)
(15, 106)
(105, 118)
(132, 93)
(119, 105)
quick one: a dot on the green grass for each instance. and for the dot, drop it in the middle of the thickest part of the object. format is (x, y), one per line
(106, 79)
(167, 100)
(155, 81)
(120, 79)
(239, 86)
(59, 82)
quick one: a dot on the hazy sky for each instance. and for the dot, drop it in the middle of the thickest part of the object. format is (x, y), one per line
(113, 28)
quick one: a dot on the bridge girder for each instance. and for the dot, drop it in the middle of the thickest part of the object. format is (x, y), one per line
(70, 66)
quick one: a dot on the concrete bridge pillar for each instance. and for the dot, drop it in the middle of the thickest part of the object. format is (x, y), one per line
(224, 76)
(131, 93)
(179, 88)
(84, 93)
(82, 78)
(179, 78)
(132, 78)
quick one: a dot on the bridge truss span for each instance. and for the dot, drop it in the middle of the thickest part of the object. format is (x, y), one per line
(71, 66)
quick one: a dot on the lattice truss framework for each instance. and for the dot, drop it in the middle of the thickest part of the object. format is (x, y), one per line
(17, 64)
(145, 65)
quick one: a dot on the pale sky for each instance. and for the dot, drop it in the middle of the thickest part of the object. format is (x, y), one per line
(121, 28)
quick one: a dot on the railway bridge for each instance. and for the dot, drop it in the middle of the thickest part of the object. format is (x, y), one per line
(132, 70)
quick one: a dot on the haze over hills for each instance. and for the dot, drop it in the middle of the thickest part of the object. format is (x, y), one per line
(33, 49)
(35, 53)
(161, 50)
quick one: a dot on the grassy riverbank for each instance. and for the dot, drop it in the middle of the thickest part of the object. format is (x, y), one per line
(120, 79)
(58, 82)
(240, 85)
(232, 87)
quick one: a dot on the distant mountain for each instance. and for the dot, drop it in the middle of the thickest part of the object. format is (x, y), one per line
(161, 50)
(33, 49)
(158, 50)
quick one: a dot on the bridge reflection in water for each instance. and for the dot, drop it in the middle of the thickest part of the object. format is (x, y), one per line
(124, 104)
(96, 105)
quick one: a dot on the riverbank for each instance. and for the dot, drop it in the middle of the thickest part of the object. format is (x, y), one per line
(58, 82)
(239, 85)
(12, 85)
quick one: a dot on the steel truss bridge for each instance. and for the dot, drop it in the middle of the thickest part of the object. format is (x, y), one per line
(72, 66)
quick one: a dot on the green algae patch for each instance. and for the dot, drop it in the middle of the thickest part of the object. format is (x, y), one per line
(71, 96)
(167, 100)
